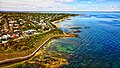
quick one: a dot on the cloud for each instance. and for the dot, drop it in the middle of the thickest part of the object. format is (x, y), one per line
(59, 5)
(35, 5)
(99, 0)
(64, 0)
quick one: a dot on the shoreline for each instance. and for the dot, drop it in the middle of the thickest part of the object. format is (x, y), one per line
(57, 25)
(20, 59)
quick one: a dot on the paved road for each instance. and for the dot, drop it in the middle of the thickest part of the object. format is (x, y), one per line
(50, 25)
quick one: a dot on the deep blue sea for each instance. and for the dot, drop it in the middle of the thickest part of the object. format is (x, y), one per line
(97, 46)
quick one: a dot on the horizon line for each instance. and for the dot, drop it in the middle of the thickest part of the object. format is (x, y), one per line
(59, 11)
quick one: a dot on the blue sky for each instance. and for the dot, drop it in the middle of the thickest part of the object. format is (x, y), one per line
(60, 5)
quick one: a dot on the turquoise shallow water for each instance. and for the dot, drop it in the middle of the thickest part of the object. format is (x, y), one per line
(97, 46)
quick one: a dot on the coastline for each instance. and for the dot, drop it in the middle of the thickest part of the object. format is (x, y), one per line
(19, 59)
(57, 25)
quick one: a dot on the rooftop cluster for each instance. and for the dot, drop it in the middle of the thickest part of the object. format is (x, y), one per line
(17, 24)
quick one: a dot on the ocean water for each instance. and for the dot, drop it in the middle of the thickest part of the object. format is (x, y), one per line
(97, 46)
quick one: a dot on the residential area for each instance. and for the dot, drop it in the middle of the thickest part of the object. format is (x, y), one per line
(15, 24)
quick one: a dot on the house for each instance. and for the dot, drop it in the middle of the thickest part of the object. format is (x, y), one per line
(14, 36)
(11, 22)
(4, 38)
(16, 31)
(29, 32)
(39, 24)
